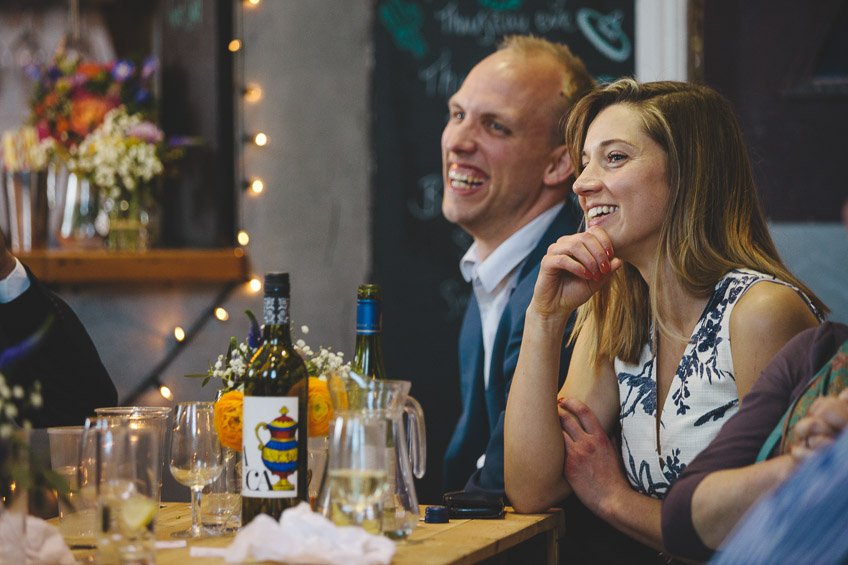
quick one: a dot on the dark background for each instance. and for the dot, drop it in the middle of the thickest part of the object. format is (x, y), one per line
(784, 66)
(423, 50)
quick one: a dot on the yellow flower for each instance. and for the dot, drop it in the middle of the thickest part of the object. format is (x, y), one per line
(228, 412)
(319, 408)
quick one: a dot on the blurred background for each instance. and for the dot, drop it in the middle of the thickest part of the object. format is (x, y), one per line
(351, 96)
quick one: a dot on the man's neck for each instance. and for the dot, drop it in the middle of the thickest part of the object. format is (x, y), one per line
(487, 244)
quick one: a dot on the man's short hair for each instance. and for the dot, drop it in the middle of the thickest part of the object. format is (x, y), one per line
(576, 80)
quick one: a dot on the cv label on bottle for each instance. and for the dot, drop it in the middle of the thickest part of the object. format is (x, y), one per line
(269, 447)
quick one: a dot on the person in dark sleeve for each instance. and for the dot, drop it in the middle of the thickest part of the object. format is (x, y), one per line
(62, 358)
(724, 480)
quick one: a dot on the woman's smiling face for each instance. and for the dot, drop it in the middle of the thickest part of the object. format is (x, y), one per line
(623, 185)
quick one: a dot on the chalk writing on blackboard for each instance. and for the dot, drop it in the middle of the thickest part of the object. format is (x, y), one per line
(185, 14)
(438, 77)
(404, 21)
(604, 32)
(486, 25)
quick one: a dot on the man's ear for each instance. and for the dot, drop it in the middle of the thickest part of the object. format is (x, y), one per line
(560, 167)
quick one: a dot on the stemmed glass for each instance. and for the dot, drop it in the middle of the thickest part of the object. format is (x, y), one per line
(195, 456)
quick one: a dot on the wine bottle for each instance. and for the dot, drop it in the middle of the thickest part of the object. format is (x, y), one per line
(368, 362)
(274, 418)
(368, 358)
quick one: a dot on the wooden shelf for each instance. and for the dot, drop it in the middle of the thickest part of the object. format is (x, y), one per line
(57, 266)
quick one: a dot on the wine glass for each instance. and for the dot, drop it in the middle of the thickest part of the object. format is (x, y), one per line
(195, 456)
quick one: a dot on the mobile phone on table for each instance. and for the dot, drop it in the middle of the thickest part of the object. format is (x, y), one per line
(463, 504)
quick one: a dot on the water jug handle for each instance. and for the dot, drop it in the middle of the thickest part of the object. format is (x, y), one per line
(416, 436)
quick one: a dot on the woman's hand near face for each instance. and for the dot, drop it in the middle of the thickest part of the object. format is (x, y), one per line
(573, 269)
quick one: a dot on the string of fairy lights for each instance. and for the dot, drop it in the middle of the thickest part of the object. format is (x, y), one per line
(248, 93)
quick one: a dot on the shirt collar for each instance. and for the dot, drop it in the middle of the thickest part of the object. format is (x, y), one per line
(509, 254)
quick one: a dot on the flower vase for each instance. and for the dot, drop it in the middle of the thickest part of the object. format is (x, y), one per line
(129, 218)
(82, 224)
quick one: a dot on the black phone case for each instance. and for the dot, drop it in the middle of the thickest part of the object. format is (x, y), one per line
(463, 504)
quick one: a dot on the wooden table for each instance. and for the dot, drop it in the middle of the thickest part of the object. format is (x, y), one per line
(517, 538)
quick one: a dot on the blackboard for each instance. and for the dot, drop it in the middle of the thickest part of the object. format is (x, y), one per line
(423, 50)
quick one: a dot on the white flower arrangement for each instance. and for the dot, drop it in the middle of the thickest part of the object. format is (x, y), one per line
(118, 154)
(231, 368)
(14, 401)
(324, 362)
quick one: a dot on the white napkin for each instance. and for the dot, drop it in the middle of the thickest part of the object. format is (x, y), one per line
(43, 544)
(303, 537)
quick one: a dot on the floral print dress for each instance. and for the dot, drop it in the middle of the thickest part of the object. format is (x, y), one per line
(701, 398)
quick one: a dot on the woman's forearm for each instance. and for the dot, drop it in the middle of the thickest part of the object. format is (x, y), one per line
(635, 514)
(534, 451)
(723, 497)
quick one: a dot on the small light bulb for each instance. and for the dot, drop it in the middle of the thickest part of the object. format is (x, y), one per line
(261, 139)
(165, 392)
(255, 285)
(254, 2)
(257, 186)
(234, 45)
(221, 314)
(243, 238)
(179, 333)
(252, 92)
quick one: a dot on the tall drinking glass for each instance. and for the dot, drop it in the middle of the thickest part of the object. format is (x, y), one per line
(126, 480)
(195, 456)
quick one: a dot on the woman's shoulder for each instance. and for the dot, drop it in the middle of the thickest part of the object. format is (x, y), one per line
(770, 303)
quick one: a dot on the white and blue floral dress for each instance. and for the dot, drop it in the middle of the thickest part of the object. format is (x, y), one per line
(702, 396)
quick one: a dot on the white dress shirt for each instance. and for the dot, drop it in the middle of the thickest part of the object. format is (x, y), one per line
(494, 279)
(15, 284)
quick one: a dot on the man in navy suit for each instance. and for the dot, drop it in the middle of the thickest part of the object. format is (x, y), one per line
(507, 181)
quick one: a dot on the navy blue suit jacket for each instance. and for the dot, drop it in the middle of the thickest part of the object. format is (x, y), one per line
(481, 423)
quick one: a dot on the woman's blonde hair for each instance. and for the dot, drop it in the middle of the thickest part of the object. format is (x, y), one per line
(713, 222)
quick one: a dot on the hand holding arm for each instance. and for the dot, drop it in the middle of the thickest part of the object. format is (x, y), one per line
(593, 469)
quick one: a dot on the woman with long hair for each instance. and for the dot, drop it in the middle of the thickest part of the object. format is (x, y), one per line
(680, 296)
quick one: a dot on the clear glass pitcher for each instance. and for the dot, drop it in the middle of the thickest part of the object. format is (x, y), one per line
(351, 395)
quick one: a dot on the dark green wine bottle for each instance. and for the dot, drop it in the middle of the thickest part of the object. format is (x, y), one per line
(368, 358)
(274, 418)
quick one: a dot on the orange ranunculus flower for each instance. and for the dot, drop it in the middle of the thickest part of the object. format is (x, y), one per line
(228, 411)
(91, 70)
(87, 112)
(318, 407)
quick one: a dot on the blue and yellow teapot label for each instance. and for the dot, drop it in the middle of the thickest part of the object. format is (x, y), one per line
(269, 447)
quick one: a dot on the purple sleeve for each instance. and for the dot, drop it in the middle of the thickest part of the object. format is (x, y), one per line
(740, 439)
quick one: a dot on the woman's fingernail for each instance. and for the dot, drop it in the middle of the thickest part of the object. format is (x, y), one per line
(605, 267)
(608, 252)
(588, 274)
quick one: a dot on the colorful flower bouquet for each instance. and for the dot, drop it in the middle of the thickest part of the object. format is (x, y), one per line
(96, 119)
(72, 97)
